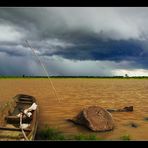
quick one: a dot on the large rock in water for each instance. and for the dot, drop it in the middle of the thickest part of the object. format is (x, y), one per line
(95, 118)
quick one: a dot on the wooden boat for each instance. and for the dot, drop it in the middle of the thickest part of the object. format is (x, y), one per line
(10, 128)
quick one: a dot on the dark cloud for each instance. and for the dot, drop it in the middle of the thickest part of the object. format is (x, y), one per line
(114, 37)
(104, 50)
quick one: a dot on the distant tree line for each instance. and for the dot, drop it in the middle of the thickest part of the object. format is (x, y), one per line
(29, 76)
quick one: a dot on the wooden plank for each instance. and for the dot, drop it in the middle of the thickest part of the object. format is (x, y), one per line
(10, 134)
(24, 102)
(25, 99)
(14, 129)
(16, 120)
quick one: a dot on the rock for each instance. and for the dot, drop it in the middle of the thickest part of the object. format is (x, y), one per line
(146, 118)
(94, 118)
(134, 125)
(125, 109)
(112, 110)
(128, 109)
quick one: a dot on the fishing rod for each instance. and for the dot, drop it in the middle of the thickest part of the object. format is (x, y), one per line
(44, 69)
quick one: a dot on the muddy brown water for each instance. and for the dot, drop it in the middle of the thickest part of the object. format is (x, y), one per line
(76, 94)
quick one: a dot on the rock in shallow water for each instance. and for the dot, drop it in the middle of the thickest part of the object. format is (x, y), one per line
(95, 118)
(125, 109)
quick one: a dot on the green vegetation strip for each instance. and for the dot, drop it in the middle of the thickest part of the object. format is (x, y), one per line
(125, 137)
(48, 133)
(97, 77)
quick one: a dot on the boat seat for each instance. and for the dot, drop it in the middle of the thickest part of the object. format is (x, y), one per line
(16, 120)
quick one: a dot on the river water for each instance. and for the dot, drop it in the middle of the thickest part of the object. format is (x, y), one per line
(75, 94)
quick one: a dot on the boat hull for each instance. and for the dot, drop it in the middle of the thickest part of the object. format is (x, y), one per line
(10, 122)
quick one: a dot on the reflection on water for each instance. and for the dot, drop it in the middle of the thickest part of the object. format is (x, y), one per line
(78, 93)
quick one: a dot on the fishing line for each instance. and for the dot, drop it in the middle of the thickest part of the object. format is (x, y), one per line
(44, 69)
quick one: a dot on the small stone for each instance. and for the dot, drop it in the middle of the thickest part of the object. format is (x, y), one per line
(146, 118)
(128, 109)
(134, 125)
(125, 109)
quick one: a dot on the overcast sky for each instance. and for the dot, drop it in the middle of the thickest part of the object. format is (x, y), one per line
(74, 41)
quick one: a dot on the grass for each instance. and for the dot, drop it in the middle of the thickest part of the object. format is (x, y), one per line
(48, 133)
(125, 137)
(91, 137)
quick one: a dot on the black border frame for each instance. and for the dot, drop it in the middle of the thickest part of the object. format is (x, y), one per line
(73, 3)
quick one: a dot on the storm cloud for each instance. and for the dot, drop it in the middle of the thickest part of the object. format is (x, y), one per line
(74, 41)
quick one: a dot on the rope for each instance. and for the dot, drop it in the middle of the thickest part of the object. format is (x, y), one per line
(21, 116)
(55, 92)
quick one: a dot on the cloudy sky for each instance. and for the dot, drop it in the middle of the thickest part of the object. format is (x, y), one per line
(74, 41)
